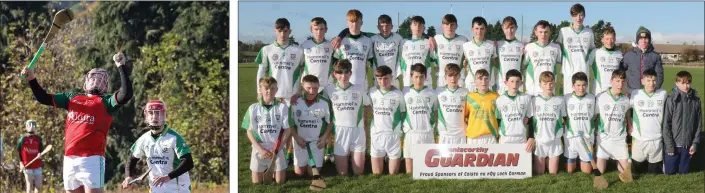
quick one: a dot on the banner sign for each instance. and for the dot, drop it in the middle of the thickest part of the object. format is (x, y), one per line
(471, 161)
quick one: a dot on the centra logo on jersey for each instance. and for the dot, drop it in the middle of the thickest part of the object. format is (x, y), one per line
(80, 117)
(161, 160)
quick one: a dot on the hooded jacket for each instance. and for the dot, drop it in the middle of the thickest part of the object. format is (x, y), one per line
(632, 60)
(682, 120)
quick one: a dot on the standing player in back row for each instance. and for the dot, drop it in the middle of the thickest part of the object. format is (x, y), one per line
(509, 52)
(89, 117)
(479, 54)
(318, 55)
(282, 61)
(604, 61)
(357, 49)
(577, 41)
(387, 47)
(415, 51)
(450, 50)
(451, 101)
(540, 56)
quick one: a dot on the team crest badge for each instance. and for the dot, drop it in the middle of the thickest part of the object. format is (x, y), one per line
(364, 48)
(607, 107)
(409, 101)
(553, 53)
(268, 118)
(470, 52)
(278, 117)
(502, 50)
(335, 97)
(603, 59)
(165, 149)
(355, 96)
(327, 50)
(537, 109)
(624, 107)
(651, 103)
(611, 60)
(413, 47)
(298, 113)
(505, 108)
(317, 113)
(393, 102)
(444, 98)
(374, 101)
(518, 48)
(536, 54)
(555, 107)
(441, 46)
(258, 118)
(427, 99)
(293, 56)
(457, 47)
(346, 47)
(422, 47)
(641, 103)
(275, 57)
(589, 106)
(585, 40)
(488, 51)
(570, 40)
(659, 102)
(571, 107)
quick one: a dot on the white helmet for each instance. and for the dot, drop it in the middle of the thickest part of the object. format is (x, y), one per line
(30, 125)
(96, 81)
(155, 113)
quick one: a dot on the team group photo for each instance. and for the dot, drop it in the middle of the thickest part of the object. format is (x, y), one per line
(572, 105)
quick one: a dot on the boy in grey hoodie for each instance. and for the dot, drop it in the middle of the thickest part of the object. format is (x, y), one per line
(642, 58)
(681, 125)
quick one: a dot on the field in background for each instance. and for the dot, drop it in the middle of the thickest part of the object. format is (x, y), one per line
(563, 182)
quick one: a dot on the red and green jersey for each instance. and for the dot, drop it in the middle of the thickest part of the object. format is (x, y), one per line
(87, 122)
(29, 148)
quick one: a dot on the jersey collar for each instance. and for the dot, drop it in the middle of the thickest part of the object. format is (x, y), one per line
(346, 88)
(609, 91)
(384, 93)
(418, 91)
(506, 93)
(582, 28)
(647, 94)
(579, 97)
(478, 45)
(274, 103)
(279, 46)
(451, 90)
(319, 43)
(315, 100)
(449, 39)
(545, 99)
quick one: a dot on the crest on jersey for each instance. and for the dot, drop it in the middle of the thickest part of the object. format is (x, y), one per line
(422, 47)
(165, 149)
(318, 51)
(364, 48)
(457, 47)
(444, 98)
(571, 107)
(355, 96)
(607, 107)
(293, 56)
(537, 108)
(545, 108)
(570, 40)
(505, 108)
(298, 113)
(651, 103)
(624, 107)
(470, 52)
(258, 119)
(555, 107)
(536, 54)
(275, 57)
(585, 40)
(427, 99)
(641, 103)
(502, 49)
(518, 48)
(327, 50)
(317, 113)
(441, 46)
(393, 44)
(346, 47)
(307, 50)
(462, 99)
(603, 59)
(611, 60)
(278, 117)
(589, 106)
(335, 97)
(374, 101)
(393, 102)
(659, 102)
(488, 51)
(409, 101)
(553, 53)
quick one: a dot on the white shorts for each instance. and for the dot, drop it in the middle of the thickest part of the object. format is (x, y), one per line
(548, 149)
(574, 148)
(349, 139)
(181, 184)
(482, 139)
(651, 150)
(612, 149)
(445, 139)
(512, 140)
(258, 164)
(412, 139)
(301, 157)
(33, 172)
(84, 171)
(385, 145)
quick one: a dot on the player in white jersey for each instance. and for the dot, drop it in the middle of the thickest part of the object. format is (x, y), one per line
(350, 103)
(282, 61)
(646, 125)
(577, 41)
(514, 109)
(265, 122)
(169, 156)
(548, 117)
(580, 109)
(388, 108)
(480, 54)
(539, 57)
(318, 54)
(356, 48)
(387, 46)
(509, 52)
(612, 107)
(451, 100)
(420, 114)
(416, 50)
(450, 50)
(311, 123)
(604, 61)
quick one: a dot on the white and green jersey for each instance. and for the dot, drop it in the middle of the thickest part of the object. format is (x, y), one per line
(450, 110)
(647, 114)
(576, 47)
(284, 64)
(266, 122)
(419, 106)
(612, 113)
(538, 59)
(413, 52)
(603, 62)
(310, 121)
(509, 53)
(386, 52)
(581, 111)
(387, 110)
(318, 61)
(163, 153)
(358, 51)
(548, 118)
(479, 56)
(450, 50)
(512, 111)
(348, 104)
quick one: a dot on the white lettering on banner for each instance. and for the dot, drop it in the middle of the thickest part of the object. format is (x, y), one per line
(469, 161)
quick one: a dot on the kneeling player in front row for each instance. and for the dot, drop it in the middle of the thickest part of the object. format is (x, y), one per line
(388, 108)
(547, 115)
(420, 104)
(169, 156)
(267, 129)
(309, 117)
(513, 112)
(479, 111)
(451, 100)
(612, 106)
(580, 109)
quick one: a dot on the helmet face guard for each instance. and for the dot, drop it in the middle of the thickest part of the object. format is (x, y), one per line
(96, 81)
(155, 113)
(30, 125)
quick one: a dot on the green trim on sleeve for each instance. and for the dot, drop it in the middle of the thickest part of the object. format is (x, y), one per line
(180, 147)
